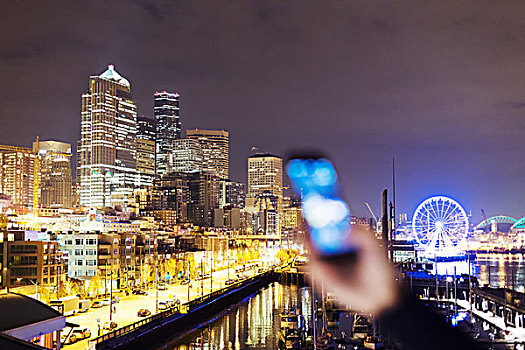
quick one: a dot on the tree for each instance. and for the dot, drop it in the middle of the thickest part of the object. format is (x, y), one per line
(94, 285)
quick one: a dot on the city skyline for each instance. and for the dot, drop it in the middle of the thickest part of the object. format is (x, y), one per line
(451, 118)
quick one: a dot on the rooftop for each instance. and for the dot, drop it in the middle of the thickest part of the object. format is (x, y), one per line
(112, 74)
(264, 155)
(19, 310)
(12, 343)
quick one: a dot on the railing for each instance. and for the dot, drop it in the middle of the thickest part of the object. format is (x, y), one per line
(175, 310)
(135, 325)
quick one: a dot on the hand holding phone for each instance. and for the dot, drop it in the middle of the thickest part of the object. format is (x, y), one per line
(326, 213)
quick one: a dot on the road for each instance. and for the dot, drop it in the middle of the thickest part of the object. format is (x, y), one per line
(127, 307)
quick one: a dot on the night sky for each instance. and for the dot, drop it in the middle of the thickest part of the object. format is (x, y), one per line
(439, 85)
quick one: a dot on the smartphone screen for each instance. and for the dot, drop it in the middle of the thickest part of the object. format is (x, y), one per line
(325, 212)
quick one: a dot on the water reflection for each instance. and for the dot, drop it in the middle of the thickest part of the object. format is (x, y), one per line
(253, 323)
(501, 270)
(495, 270)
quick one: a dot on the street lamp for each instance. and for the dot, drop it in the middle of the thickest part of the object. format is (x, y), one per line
(111, 292)
(30, 280)
(157, 285)
(202, 278)
(211, 275)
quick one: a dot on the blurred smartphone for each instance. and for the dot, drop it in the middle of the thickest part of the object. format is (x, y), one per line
(326, 213)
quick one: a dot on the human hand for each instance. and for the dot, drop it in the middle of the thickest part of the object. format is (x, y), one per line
(366, 281)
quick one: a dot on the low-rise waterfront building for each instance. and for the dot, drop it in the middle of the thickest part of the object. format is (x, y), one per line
(35, 263)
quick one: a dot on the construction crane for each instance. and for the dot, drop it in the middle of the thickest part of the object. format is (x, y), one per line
(378, 223)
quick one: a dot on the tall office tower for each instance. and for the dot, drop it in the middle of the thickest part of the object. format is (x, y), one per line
(187, 156)
(215, 145)
(232, 194)
(169, 196)
(108, 144)
(146, 134)
(203, 197)
(166, 111)
(17, 169)
(265, 182)
(192, 196)
(55, 170)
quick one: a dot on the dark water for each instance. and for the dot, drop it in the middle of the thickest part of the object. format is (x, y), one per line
(254, 323)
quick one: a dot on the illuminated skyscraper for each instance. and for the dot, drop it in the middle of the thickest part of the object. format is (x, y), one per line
(108, 151)
(187, 156)
(55, 170)
(232, 194)
(265, 183)
(215, 145)
(17, 167)
(166, 111)
(146, 135)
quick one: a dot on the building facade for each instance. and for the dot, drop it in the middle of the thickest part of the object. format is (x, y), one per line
(192, 196)
(264, 197)
(187, 156)
(203, 198)
(56, 181)
(83, 253)
(215, 146)
(169, 198)
(232, 194)
(146, 131)
(17, 180)
(107, 152)
(167, 117)
(34, 262)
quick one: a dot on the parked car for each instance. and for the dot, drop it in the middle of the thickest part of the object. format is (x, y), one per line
(105, 302)
(185, 281)
(163, 286)
(97, 304)
(230, 281)
(69, 340)
(164, 305)
(110, 325)
(203, 277)
(143, 313)
(140, 292)
(82, 333)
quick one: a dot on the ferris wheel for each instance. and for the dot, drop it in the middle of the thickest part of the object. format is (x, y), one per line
(439, 225)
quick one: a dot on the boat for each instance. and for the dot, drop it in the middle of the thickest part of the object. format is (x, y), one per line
(325, 342)
(373, 342)
(291, 335)
(290, 338)
(291, 319)
(362, 327)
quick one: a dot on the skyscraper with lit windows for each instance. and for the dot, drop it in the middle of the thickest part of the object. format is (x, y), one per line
(166, 112)
(265, 191)
(215, 146)
(107, 148)
(17, 169)
(55, 174)
(146, 136)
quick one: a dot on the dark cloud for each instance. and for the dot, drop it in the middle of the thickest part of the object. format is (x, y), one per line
(438, 85)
